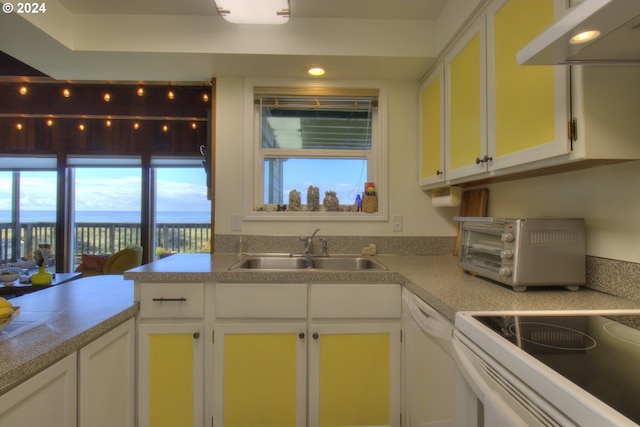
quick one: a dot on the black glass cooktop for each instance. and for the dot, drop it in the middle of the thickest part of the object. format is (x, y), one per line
(601, 354)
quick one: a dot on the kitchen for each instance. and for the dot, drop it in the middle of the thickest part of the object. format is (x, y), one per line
(593, 194)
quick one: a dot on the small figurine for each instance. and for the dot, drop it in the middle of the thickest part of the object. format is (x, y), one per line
(294, 200)
(330, 202)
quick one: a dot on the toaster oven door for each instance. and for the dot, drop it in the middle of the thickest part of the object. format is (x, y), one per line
(482, 248)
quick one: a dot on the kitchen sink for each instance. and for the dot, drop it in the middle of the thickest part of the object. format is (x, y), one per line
(293, 262)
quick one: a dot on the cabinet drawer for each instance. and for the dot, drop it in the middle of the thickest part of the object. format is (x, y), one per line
(260, 300)
(182, 300)
(355, 301)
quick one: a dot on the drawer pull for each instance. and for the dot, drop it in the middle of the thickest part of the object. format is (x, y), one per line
(196, 335)
(163, 299)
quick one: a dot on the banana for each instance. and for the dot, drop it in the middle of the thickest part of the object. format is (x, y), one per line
(4, 303)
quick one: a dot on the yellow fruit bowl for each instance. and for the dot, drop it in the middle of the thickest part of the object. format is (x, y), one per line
(5, 323)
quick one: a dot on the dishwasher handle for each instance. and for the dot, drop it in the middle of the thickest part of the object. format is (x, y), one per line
(427, 317)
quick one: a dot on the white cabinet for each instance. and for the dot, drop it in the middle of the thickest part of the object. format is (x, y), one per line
(171, 355)
(504, 120)
(354, 354)
(47, 399)
(106, 383)
(432, 147)
(265, 333)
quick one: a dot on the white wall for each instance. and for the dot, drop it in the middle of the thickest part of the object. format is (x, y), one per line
(607, 197)
(405, 198)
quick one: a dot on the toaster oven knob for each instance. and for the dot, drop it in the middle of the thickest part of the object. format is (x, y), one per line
(506, 254)
(504, 271)
(507, 237)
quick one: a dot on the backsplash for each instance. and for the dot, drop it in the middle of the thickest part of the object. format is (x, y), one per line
(230, 243)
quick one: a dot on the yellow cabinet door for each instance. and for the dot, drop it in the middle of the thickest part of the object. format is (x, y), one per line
(465, 116)
(170, 361)
(432, 129)
(354, 375)
(528, 108)
(260, 375)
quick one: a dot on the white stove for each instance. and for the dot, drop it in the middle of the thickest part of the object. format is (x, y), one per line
(552, 368)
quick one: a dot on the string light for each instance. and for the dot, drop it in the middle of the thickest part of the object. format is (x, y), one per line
(136, 125)
(66, 93)
(23, 90)
(165, 128)
(108, 123)
(171, 94)
(81, 126)
(205, 97)
(107, 97)
(194, 125)
(140, 91)
(19, 126)
(49, 122)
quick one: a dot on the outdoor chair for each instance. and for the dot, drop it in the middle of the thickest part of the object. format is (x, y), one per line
(117, 263)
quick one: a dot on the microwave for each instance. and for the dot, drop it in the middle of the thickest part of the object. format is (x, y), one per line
(524, 252)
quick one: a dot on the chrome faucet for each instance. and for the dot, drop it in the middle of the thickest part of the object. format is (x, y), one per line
(307, 242)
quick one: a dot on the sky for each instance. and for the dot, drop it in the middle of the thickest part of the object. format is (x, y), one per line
(111, 189)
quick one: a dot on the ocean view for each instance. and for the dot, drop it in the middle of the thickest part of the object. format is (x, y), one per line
(110, 216)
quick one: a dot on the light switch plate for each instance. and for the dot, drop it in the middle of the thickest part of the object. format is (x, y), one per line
(396, 222)
(236, 222)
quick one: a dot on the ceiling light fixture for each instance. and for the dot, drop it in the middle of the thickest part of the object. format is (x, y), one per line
(584, 37)
(253, 12)
(316, 70)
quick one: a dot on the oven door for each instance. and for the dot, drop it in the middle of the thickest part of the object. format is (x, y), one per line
(506, 400)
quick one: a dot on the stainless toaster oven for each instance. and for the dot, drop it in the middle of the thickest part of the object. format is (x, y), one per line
(524, 252)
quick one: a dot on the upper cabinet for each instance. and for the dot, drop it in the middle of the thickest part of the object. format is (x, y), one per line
(465, 104)
(432, 148)
(500, 119)
(527, 107)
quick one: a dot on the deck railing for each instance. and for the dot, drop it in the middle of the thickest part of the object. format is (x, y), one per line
(100, 238)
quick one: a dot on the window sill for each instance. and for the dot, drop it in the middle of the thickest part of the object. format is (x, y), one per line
(315, 216)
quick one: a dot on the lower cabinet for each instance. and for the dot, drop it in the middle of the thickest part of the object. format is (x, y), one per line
(47, 399)
(171, 355)
(170, 375)
(354, 375)
(92, 387)
(260, 372)
(106, 382)
(345, 341)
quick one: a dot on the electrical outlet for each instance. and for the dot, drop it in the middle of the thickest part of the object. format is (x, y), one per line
(236, 222)
(396, 222)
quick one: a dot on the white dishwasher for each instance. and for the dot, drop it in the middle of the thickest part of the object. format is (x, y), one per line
(430, 375)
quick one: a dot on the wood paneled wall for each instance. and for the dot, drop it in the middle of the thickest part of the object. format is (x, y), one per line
(45, 121)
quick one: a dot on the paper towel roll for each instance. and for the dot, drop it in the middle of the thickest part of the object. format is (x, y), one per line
(446, 197)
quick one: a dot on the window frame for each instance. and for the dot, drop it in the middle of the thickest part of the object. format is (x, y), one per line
(254, 155)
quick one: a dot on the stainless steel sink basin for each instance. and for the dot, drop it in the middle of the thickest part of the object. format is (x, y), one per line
(284, 262)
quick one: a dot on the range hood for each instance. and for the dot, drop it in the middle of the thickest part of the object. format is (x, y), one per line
(618, 22)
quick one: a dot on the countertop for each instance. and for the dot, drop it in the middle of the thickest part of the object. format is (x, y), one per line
(435, 278)
(77, 313)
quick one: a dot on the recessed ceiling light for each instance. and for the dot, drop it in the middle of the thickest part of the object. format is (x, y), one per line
(316, 70)
(584, 37)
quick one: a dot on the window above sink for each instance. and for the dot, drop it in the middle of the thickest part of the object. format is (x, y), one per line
(310, 150)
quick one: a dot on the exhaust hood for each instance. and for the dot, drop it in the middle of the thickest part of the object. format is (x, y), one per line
(618, 22)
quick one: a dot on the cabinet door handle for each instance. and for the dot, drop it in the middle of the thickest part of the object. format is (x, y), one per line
(439, 172)
(196, 335)
(315, 336)
(301, 335)
(163, 299)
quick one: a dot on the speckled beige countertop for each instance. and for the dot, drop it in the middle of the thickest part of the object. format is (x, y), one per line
(435, 278)
(78, 312)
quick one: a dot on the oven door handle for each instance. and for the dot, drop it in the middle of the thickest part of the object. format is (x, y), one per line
(497, 412)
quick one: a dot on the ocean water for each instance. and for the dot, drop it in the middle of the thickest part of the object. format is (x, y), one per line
(111, 216)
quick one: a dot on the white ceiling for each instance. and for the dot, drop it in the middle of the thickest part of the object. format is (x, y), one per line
(185, 40)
